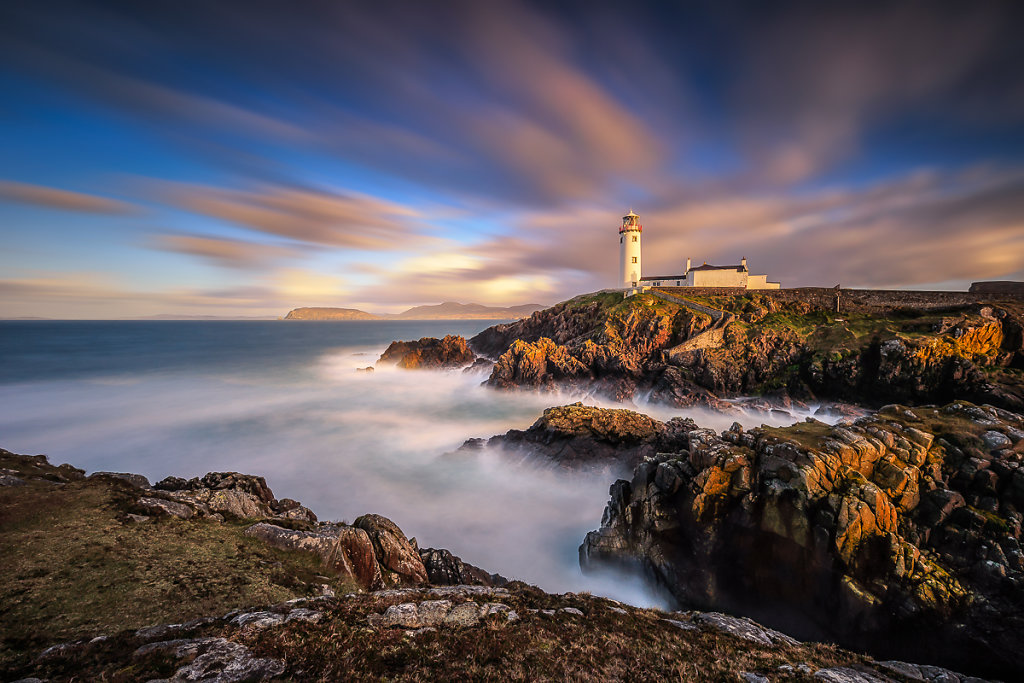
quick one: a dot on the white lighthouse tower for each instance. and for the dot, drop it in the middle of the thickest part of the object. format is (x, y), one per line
(629, 248)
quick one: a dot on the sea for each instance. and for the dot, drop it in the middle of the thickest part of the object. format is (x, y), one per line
(287, 400)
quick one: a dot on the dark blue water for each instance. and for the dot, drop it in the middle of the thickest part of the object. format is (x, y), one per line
(33, 350)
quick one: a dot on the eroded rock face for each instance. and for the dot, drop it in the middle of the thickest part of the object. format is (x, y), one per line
(429, 353)
(394, 551)
(899, 533)
(445, 569)
(578, 436)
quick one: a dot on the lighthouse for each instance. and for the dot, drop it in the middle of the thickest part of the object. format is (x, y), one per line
(629, 248)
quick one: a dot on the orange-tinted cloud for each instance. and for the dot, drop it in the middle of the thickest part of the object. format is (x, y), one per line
(63, 200)
(304, 215)
(230, 253)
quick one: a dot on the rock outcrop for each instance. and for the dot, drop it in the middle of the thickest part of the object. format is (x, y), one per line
(445, 569)
(429, 353)
(763, 345)
(585, 437)
(242, 496)
(899, 533)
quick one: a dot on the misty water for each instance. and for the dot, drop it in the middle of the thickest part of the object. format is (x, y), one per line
(284, 400)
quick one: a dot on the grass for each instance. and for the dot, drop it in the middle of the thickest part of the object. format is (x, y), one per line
(602, 645)
(73, 566)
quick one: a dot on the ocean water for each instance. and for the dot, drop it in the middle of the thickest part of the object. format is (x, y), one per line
(284, 400)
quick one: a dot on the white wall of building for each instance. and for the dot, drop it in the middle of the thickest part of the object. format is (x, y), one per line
(719, 278)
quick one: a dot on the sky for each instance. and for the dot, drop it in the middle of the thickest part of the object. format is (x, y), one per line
(245, 158)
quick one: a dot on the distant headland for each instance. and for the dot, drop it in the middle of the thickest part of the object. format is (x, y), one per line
(449, 310)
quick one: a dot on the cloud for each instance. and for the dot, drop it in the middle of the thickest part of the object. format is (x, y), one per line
(229, 253)
(62, 200)
(817, 80)
(304, 215)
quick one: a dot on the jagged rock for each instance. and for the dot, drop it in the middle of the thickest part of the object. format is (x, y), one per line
(428, 353)
(446, 569)
(618, 347)
(10, 480)
(579, 436)
(860, 532)
(160, 506)
(393, 550)
(136, 480)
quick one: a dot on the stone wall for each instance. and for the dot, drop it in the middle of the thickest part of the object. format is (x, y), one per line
(853, 300)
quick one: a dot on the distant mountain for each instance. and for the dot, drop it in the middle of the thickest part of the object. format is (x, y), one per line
(324, 313)
(449, 310)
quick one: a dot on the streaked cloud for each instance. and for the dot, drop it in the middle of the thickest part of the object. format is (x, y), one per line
(230, 253)
(304, 215)
(62, 200)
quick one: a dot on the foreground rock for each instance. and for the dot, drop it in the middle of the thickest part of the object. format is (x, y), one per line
(461, 633)
(899, 533)
(242, 496)
(406, 631)
(429, 353)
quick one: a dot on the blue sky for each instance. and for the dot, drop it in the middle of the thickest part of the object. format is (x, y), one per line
(245, 158)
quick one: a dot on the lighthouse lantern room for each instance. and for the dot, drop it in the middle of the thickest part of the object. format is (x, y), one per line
(629, 248)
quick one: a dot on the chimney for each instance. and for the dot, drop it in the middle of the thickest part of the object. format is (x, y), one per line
(687, 265)
(743, 262)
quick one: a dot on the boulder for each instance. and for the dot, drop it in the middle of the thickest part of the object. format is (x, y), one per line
(344, 551)
(161, 506)
(394, 551)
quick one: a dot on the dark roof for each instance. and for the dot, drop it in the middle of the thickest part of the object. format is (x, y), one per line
(664, 277)
(710, 267)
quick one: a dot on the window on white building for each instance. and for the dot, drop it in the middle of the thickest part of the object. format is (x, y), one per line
(634, 238)
(634, 259)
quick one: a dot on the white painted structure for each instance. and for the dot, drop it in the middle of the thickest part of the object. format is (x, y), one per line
(630, 273)
(629, 250)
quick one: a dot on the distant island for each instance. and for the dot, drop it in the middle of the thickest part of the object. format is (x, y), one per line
(449, 310)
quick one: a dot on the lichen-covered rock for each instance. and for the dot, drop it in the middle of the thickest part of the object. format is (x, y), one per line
(429, 353)
(900, 531)
(161, 506)
(617, 347)
(579, 436)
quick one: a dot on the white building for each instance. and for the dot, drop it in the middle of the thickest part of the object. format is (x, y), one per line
(629, 250)
(705, 275)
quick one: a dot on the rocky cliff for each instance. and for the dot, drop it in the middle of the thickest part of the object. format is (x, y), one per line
(899, 533)
(764, 345)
